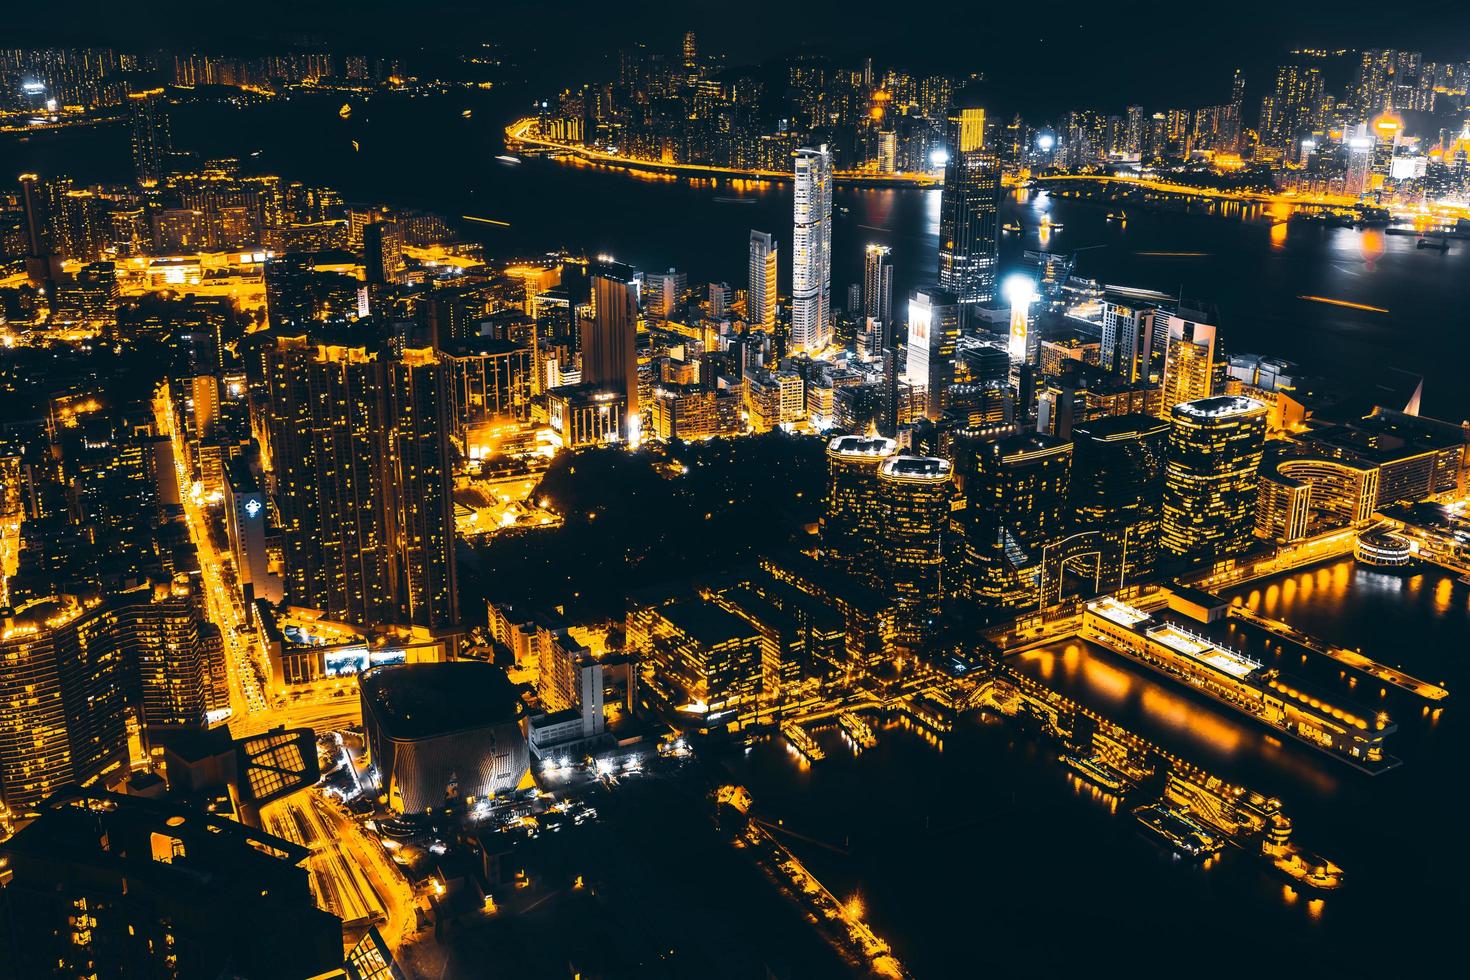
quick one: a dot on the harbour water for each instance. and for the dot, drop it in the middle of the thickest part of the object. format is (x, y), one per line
(985, 850)
(423, 152)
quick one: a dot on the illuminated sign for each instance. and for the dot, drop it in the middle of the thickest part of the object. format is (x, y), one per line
(252, 507)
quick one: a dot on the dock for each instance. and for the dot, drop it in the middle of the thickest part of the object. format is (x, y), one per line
(1344, 656)
(801, 740)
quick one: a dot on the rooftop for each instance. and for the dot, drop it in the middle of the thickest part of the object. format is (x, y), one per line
(1220, 406)
(413, 701)
(861, 446)
(917, 468)
(706, 623)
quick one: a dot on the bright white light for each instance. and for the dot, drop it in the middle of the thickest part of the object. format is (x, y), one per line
(1019, 290)
(606, 767)
(1045, 142)
(938, 157)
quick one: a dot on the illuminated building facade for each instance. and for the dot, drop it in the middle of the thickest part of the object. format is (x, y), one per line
(1192, 362)
(586, 415)
(704, 657)
(1016, 503)
(151, 139)
(878, 283)
(610, 339)
(914, 496)
(1302, 493)
(1210, 477)
(489, 379)
(811, 251)
(760, 297)
(382, 246)
(851, 522)
(934, 331)
(1117, 488)
(969, 209)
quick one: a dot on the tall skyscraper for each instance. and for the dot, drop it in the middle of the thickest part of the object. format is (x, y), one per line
(760, 298)
(914, 501)
(1117, 490)
(1127, 347)
(878, 283)
(811, 251)
(1210, 486)
(290, 291)
(969, 208)
(382, 246)
(151, 138)
(610, 337)
(1192, 361)
(1015, 505)
(359, 449)
(664, 292)
(934, 332)
(851, 523)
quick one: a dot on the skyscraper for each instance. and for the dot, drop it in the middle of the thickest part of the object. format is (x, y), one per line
(851, 522)
(969, 208)
(290, 291)
(934, 332)
(1117, 490)
(382, 246)
(665, 291)
(610, 337)
(151, 139)
(811, 251)
(760, 298)
(1210, 486)
(1191, 361)
(878, 283)
(914, 501)
(1015, 505)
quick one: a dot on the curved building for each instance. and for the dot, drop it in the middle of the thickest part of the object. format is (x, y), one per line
(442, 732)
(1303, 493)
(850, 521)
(1213, 455)
(914, 499)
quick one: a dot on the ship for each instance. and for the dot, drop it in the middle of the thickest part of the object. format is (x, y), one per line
(346, 110)
(1438, 244)
(1096, 772)
(1117, 215)
(1012, 227)
(734, 200)
(1177, 829)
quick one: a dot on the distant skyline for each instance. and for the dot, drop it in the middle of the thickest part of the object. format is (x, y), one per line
(1045, 58)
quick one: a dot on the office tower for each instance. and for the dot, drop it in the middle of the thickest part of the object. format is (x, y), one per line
(969, 209)
(1192, 361)
(811, 251)
(1020, 293)
(610, 338)
(43, 266)
(1210, 486)
(110, 886)
(878, 283)
(851, 519)
(1127, 340)
(420, 484)
(151, 139)
(913, 505)
(934, 331)
(326, 424)
(710, 657)
(290, 291)
(760, 298)
(665, 290)
(1117, 489)
(382, 246)
(691, 53)
(1015, 505)
(1360, 162)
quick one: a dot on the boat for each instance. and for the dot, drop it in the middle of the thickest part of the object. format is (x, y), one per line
(1438, 244)
(1098, 773)
(734, 200)
(1177, 829)
(1012, 227)
(503, 158)
(467, 113)
(1117, 215)
(346, 110)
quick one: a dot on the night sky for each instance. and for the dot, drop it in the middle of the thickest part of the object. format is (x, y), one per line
(1044, 56)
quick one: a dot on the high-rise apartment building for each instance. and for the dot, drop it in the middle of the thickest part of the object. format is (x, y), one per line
(382, 245)
(760, 297)
(878, 283)
(1192, 361)
(969, 209)
(934, 332)
(151, 138)
(811, 251)
(1210, 483)
(610, 338)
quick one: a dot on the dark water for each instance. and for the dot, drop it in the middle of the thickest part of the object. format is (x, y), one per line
(985, 853)
(423, 152)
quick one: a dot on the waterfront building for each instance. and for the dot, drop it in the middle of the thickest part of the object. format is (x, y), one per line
(851, 520)
(1116, 491)
(1417, 457)
(706, 660)
(1192, 362)
(760, 297)
(609, 339)
(878, 283)
(811, 251)
(105, 885)
(1304, 493)
(442, 734)
(914, 495)
(1210, 477)
(1016, 491)
(969, 208)
(934, 332)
